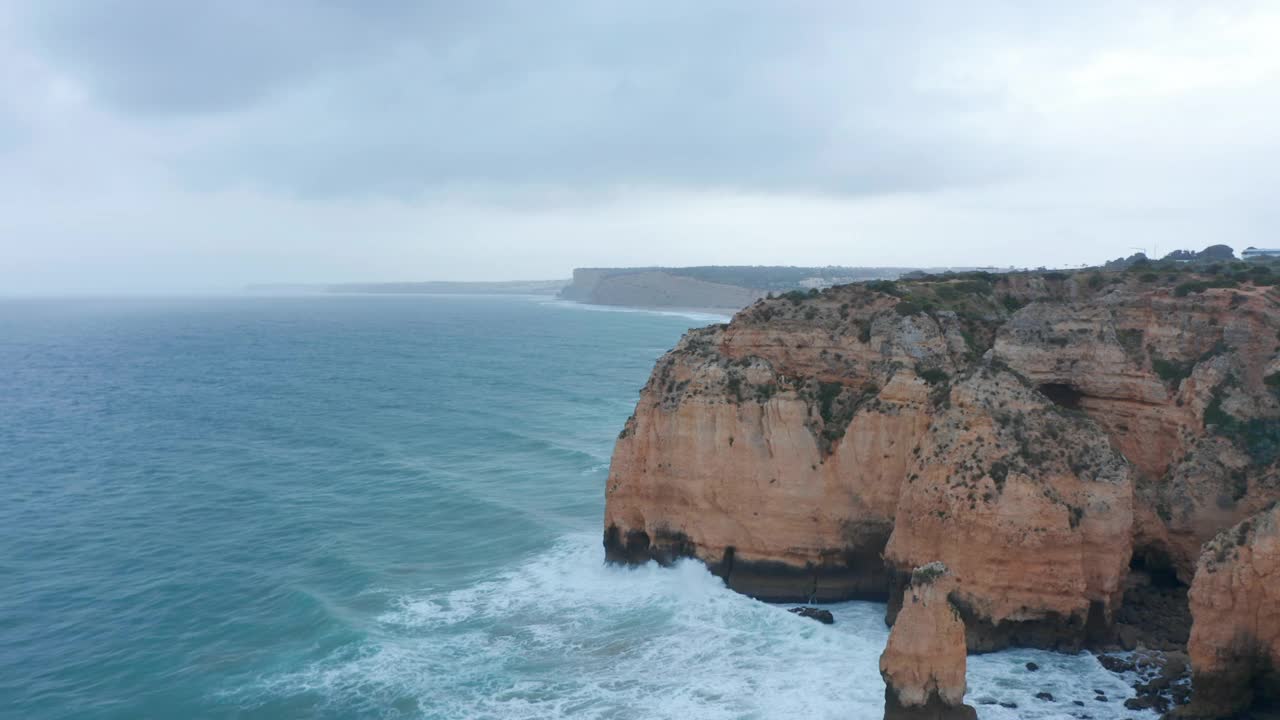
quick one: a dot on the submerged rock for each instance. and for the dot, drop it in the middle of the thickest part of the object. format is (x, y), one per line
(823, 616)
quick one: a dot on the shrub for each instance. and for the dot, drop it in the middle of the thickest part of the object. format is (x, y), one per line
(734, 383)
(1172, 371)
(827, 394)
(1259, 437)
(1199, 286)
(933, 376)
(1131, 340)
(766, 391)
(998, 472)
(926, 574)
(908, 307)
(887, 287)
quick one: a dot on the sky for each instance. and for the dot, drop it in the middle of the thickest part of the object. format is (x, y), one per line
(161, 145)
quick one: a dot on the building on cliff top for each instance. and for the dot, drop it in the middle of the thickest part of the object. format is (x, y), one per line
(1253, 253)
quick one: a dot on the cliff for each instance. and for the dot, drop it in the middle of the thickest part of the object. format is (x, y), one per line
(1028, 504)
(923, 665)
(1235, 639)
(655, 288)
(1041, 433)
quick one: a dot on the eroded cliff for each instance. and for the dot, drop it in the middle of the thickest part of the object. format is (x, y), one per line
(1040, 433)
(1235, 600)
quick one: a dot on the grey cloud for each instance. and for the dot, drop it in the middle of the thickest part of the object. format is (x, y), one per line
(166, 142)
(350, 98)
(159, 56)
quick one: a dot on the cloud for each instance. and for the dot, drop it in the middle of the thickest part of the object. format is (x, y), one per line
(429, 138)
(338, 98)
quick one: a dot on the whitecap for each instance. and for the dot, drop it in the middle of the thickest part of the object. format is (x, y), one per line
(564, 635)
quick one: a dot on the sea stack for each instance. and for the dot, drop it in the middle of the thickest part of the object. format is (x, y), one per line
(923, 665)
(1235, 638)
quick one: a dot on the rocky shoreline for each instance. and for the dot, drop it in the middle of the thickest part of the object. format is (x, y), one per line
(1068, 445)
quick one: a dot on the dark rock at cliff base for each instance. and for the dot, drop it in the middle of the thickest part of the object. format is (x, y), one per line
(1032, 667)
(1153, 615)
(1162, 679)
(1116, 664)
(823, 616)
(934, 710)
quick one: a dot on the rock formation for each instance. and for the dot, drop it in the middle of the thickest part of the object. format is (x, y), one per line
(1029, 506)
(1235, 639)
(1050, 437)
(923, 665)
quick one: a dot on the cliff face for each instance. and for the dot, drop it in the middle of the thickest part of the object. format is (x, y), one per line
(923, 665)
(661, 289)
(773, 457)
(1033, 432)
(1179, 386)
(1027, 503)
(1235, 600)
(654, 287)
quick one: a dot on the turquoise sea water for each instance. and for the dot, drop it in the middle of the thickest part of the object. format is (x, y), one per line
(350, 507)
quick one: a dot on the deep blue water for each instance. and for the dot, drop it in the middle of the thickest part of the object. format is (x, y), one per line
(346, 507)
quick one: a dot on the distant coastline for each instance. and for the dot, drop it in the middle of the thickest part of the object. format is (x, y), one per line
(723, 288)
(717, 290)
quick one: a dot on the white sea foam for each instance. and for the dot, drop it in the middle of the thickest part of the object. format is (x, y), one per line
(565, 636)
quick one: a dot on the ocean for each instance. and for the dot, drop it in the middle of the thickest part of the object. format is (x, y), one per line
(380, 507)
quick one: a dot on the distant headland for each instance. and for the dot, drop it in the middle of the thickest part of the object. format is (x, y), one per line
(724, 287)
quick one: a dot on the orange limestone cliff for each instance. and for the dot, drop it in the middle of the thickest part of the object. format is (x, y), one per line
(1235, 639)
(1028, 505)
(923, 665)
(1040, 433)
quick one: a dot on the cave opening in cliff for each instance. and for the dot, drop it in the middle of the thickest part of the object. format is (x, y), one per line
(1157, 566)
(1067, 396)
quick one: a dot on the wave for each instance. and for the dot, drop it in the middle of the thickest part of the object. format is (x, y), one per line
(564, 635)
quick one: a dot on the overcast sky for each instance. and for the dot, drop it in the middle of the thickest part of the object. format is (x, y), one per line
(159, 145)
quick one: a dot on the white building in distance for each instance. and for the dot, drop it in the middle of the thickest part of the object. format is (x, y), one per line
(1253, 253)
